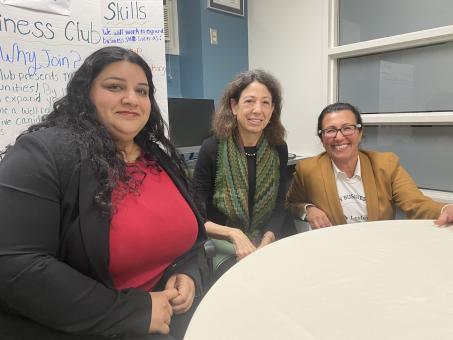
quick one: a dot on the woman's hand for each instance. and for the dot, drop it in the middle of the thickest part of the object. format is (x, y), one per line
(241, 243)
(186, 292)
(162, 311)
(446, 216)
(267, 238)
(317, 218)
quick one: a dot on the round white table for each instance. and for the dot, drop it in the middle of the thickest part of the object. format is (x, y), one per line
(375, 280)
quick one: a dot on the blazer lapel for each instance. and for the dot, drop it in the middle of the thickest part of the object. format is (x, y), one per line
(94, 226)
(182, 187)
(369, 185)
(331, 192)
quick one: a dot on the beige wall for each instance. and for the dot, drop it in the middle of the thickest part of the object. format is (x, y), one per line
(290, 39)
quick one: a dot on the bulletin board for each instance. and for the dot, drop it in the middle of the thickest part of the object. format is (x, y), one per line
(42, 43)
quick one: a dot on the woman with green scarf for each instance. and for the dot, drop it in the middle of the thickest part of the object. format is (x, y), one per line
(240, 174)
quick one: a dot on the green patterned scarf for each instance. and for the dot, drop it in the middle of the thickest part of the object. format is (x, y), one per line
(231, 185)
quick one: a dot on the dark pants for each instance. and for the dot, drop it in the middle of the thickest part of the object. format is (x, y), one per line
(224, 267)
(13, 327)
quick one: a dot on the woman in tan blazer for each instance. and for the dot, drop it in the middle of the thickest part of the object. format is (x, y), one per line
(347, 185)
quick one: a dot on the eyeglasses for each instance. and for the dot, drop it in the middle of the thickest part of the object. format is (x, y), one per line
(346, 130)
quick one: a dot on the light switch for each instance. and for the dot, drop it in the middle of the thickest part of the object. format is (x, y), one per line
(213, 35)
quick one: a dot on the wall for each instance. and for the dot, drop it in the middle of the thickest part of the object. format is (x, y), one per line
(202, 70)
(173, 75)
(221, 62)
(289, 39)
(190, 48)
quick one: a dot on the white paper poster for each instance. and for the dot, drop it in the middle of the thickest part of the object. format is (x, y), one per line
(42, 45)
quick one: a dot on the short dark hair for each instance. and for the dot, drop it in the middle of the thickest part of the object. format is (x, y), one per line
(224, 122)
(335, 107)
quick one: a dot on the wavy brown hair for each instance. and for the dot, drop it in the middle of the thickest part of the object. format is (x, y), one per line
(224, 121)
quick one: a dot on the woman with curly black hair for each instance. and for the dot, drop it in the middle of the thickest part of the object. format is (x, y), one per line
(99, 234)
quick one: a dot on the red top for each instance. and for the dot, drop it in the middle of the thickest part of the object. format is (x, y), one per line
(149, 229)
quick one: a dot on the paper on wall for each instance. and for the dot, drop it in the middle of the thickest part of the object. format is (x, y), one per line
(61, 7)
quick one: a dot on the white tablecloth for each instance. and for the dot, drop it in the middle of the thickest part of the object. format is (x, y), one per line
(377, 280)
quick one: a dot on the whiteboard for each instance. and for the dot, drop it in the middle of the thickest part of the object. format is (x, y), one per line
(42, 42)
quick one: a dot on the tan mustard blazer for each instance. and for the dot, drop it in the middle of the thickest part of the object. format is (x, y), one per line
(387, 184)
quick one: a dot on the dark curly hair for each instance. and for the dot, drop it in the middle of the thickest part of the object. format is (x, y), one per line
(76, 112)
(225, 123)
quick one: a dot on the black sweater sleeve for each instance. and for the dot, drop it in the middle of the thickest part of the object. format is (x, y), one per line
(204, 180)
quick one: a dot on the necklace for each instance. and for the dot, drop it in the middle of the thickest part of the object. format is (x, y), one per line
(132, 155)
(248, 154)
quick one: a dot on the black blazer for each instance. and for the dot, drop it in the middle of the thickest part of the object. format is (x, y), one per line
(54, 243)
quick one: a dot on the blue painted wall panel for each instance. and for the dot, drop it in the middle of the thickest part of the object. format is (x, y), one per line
(173, 76)
(202, 70)
(191, 68)
(221, 62)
